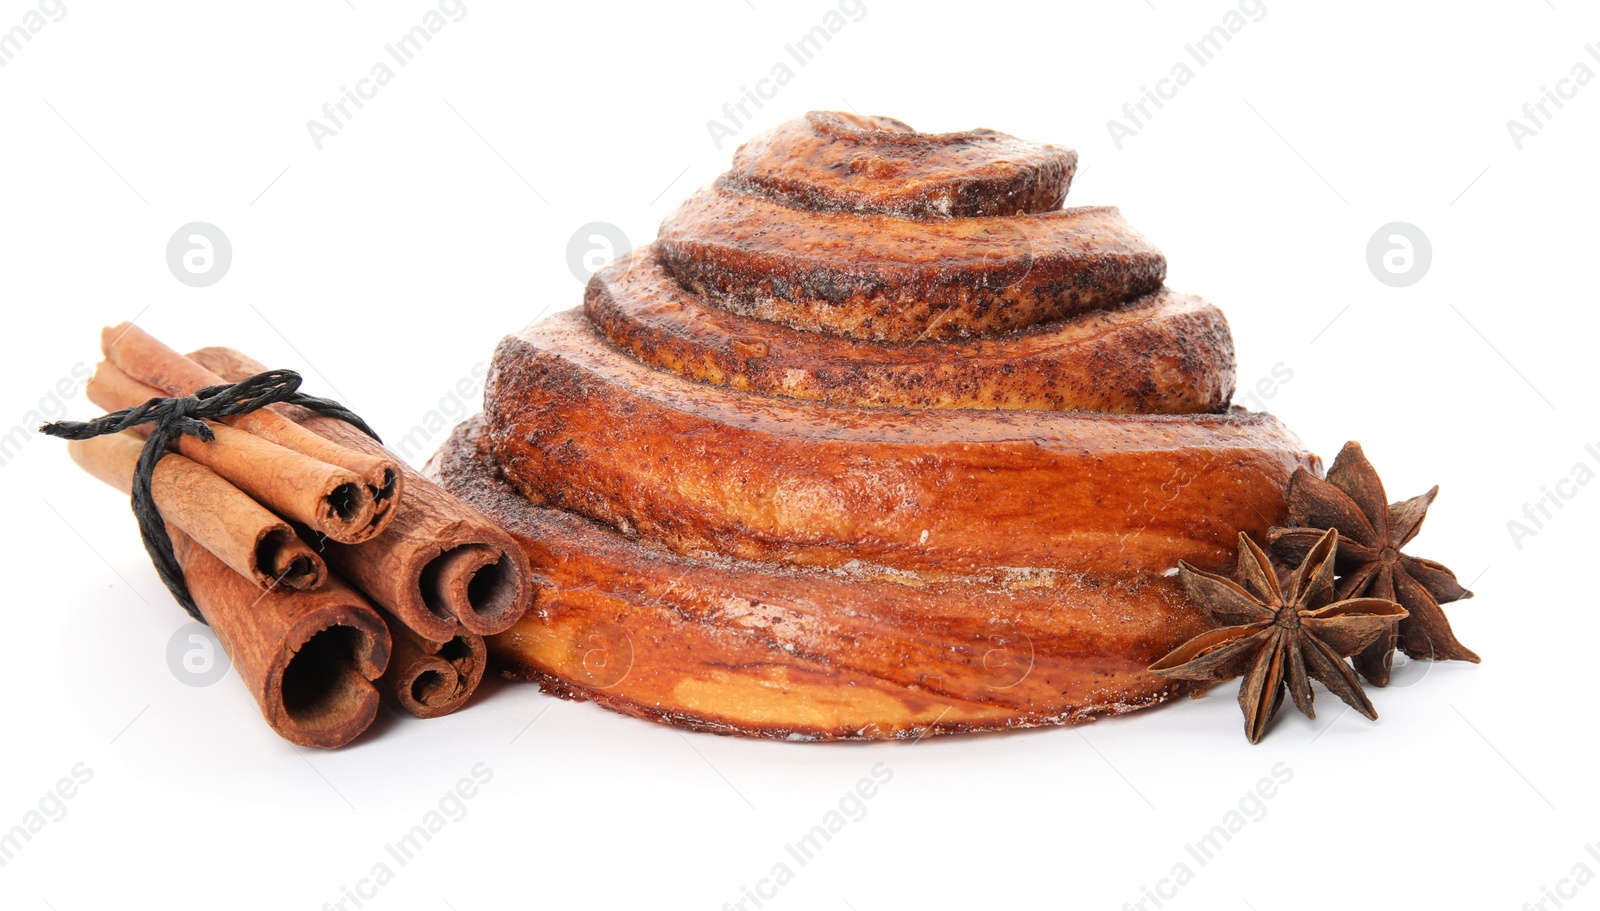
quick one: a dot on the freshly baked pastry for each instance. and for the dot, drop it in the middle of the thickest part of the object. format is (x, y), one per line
(875, 440)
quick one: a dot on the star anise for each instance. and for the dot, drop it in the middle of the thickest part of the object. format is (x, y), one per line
(1371, 532)
(1279, 640)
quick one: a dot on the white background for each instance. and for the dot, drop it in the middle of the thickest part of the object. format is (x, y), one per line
(387, 264)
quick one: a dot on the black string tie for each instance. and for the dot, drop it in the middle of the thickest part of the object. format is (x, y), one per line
(178, 416)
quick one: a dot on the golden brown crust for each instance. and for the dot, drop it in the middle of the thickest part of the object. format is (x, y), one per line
(867, 445)
(1166, 353)
(893, 279)
(737, 647)
(834, 160)
(950, 492)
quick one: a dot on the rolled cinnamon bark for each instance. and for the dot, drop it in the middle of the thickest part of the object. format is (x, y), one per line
(440, 563)
(430, 679)
(308, 657)
(146, 360)
(219, 516)
(326, 498)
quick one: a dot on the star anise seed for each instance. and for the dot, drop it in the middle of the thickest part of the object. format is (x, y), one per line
(1279, 640)
(1372, 532)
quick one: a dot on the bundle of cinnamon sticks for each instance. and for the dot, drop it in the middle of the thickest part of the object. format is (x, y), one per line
(328, 568)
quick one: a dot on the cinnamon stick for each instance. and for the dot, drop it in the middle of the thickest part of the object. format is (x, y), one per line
(430, 679)
(326, 498)
(148, 361)
(308, 657)
(219, 516)
(441, 564)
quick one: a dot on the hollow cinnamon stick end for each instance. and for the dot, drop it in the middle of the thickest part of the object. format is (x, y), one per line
(385, 485)
(320, 691)
(381, 472)
(430, 685)
(283, 559)
(486, 584)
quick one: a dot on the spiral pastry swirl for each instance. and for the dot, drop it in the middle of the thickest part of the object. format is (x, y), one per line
(876, 439)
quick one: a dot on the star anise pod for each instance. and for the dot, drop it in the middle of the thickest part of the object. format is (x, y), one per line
(1279, 640)
(1370, 564)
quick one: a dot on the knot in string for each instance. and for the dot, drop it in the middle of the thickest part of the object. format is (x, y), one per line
(173, 417)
